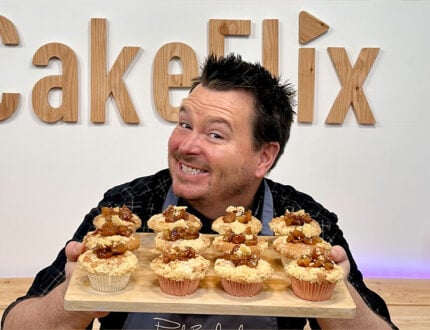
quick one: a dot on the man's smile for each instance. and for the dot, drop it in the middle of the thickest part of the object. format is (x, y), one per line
(191, 170)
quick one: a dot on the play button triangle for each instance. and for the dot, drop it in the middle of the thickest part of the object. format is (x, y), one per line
(310, 27)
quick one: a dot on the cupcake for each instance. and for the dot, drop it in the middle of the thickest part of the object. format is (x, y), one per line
(107, 271)
(314, 276)
(108, 259)
(296, 244)
(117, 220)
(173, 217)
(96, 240)
(229, 239)
(180, 270)
(236, 220)
(290, 221)
(242, 272)
(181, 237)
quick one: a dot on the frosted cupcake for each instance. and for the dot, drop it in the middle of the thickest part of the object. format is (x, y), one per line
(180, 270)
(173, 217)
(117, 221)
(226, 242)
(181, 237)
(107, 271)
(314, 276)
(242, 272)
(290, 221)
(296, 244)
(236, 220)
(118, 243)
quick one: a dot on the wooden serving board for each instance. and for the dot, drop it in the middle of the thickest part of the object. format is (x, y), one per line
(144, 295)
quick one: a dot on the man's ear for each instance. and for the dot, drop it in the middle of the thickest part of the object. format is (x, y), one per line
(268, 154)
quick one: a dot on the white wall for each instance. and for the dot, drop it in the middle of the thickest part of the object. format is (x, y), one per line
(375, 178)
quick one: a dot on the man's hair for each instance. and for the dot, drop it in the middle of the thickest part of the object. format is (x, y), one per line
(274, 101)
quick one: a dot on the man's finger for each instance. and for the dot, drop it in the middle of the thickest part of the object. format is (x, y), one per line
(338, 254)
(73, 250)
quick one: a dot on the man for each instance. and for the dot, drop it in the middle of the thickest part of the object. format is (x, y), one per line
(232, 129)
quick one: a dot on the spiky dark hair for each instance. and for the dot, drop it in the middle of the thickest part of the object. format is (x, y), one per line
(274, 101)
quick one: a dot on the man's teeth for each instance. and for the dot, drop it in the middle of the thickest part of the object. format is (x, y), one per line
(190, 170)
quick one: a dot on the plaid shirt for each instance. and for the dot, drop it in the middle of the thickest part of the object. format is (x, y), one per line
(145, 197)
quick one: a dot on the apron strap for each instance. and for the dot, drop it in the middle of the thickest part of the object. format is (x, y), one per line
(267, 213)
(171, 199)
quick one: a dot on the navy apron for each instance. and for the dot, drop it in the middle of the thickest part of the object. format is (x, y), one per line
(161, 321)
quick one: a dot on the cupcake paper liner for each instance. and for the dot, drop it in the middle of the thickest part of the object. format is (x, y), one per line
(109, 283)
(239, 289)
(312, 291)
(178, 288)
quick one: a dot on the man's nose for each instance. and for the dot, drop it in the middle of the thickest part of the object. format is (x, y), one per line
(191, 144)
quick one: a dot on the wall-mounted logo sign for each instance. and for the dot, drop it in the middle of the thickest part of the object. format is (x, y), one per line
(106, 83)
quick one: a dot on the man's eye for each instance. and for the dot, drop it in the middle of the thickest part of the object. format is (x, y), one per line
(184, 125)
(215, 135)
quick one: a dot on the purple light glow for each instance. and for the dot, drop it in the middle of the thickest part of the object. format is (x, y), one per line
(395, 269)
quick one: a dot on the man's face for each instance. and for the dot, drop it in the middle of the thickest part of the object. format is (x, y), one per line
(211, 158)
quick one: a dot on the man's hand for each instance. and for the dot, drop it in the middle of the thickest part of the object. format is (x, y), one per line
(73, 250)
(364, 318)
(338, 255)
(32, 313)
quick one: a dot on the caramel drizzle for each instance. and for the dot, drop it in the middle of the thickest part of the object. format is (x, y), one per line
(178, 254)
(230, 217)
(316, 259)
(294, 219)
(172, 214)
(250, 260)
